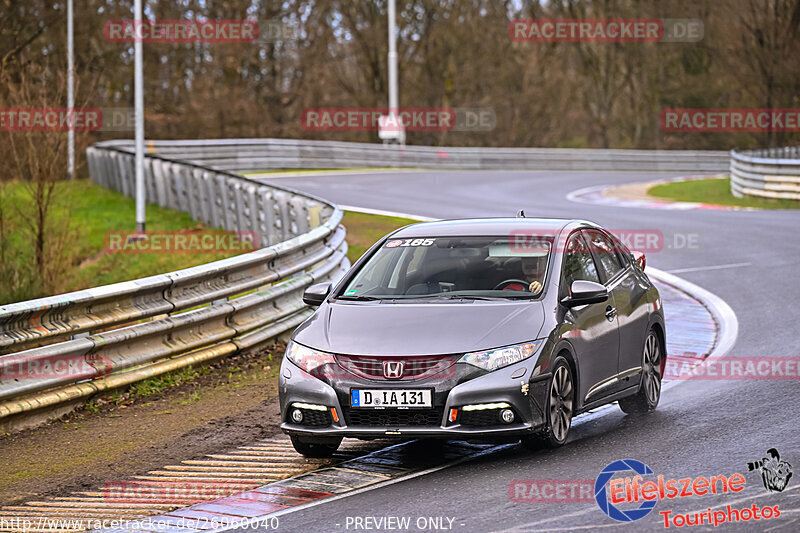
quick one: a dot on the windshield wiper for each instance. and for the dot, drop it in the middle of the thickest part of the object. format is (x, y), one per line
(358, 298)
(473, 297)
(446, 296)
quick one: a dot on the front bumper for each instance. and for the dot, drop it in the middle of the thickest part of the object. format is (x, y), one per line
(464, 386)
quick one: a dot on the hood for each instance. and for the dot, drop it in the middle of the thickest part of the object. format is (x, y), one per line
(373, 328)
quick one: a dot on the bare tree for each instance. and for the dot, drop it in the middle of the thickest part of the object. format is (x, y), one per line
(37, 161)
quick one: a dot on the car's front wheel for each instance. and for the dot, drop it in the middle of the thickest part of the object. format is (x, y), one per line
(646, 398)
(316, 448)
(559, 410)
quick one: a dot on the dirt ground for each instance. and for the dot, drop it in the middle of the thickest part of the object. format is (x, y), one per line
(233, 404)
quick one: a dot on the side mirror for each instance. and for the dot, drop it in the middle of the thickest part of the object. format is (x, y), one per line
(316, 294)
(639, 258)
(585, 292)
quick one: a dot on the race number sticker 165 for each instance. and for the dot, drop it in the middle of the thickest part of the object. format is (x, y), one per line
(409, 242)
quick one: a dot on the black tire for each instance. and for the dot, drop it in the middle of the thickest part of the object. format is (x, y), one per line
(315, 449)
(646, 398)
(559, 410)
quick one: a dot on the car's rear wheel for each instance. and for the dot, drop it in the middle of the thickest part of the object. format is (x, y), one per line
(315, 448)
(646, 398)
(559, 410)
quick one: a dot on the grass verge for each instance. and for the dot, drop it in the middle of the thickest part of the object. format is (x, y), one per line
(363, 230)
(715, 191)
(92, 215)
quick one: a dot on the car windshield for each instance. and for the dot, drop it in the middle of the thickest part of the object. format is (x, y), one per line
(453, 268)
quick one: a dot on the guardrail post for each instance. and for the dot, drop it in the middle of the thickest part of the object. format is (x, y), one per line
(160, 186)
(121, 175)
(268, 231)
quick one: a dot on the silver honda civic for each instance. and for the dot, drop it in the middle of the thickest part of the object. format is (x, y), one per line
(493, 329)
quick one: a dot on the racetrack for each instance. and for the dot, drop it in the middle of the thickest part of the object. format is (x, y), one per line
(701, 427)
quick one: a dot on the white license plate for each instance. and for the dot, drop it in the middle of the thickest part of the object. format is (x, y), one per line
(391, 398)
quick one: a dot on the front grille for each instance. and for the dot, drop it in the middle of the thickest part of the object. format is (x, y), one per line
(481, 418)
(312, 417)
(394, 418)
(418, 367)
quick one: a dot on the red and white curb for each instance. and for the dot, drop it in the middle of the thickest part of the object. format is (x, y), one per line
(598, 195)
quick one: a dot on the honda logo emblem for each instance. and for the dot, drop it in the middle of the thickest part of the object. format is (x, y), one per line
(392, 369)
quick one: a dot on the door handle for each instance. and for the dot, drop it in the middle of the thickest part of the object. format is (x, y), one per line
(610, 313)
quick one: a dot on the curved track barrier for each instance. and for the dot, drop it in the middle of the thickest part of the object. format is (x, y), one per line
(265, 154)
(769, 173)
(59, 350)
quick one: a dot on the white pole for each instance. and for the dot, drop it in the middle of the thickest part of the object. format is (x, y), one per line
(138, 104)
(70, 94)
(392, 59)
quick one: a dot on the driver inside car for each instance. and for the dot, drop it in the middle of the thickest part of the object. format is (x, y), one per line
(533, 270)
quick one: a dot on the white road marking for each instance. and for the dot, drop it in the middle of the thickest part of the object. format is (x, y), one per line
(577, 196)
(368, 211)
(711, 267)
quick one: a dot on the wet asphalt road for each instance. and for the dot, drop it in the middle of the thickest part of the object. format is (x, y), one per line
(748, 258)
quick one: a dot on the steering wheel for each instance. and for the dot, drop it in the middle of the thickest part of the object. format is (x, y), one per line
(503, 284)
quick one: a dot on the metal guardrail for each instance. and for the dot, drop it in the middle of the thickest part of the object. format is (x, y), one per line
(767, 173)
(264, 154)
(105, 337)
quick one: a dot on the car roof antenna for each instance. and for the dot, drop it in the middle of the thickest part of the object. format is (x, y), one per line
(521, 213)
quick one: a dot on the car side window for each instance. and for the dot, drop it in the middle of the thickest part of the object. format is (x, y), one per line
(604, 248)
(578, 262)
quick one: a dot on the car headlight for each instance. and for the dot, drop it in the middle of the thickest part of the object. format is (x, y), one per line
(500, 357)
(310, 360)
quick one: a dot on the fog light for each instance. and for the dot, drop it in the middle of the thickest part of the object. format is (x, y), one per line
(297, 416)
(507, 416)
